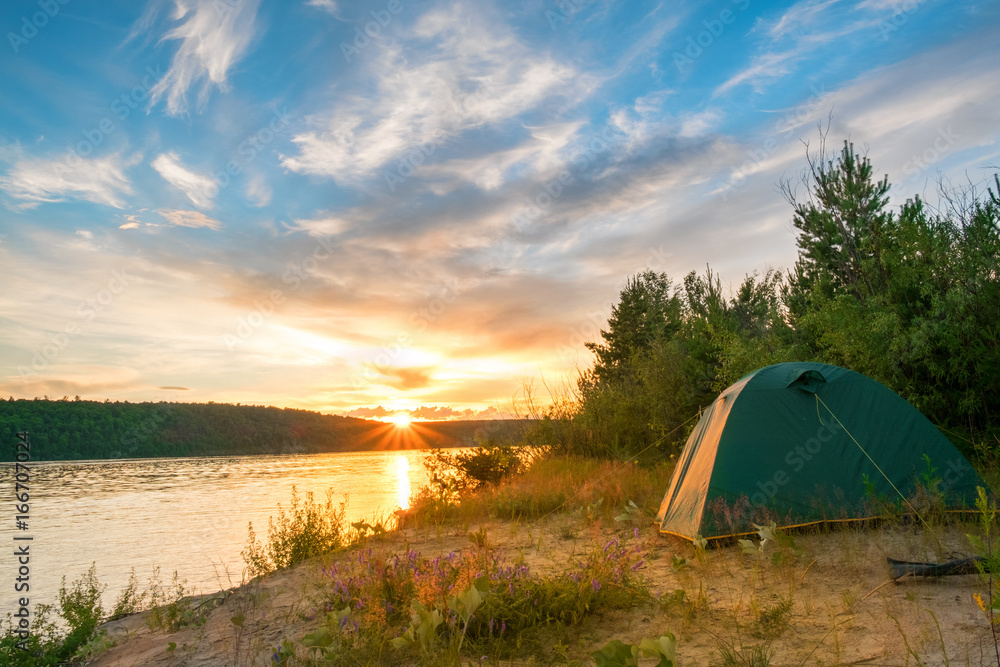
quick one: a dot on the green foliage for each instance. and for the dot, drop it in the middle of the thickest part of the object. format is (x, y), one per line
(424, 623)
(908, 298)
(80, 608)
(773, 620)
(740, 655)
(486, 464)
(170, 609)
(616, 653)
(632, 513)
(130, 600)
(591, 511)
(44, 645)
(988, 565)
(309, 529)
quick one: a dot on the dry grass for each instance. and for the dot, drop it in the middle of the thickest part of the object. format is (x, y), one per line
(597, 489)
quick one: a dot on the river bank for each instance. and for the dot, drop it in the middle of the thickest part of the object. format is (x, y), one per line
(816, 599)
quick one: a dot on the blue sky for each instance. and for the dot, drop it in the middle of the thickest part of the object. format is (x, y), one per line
(344, 205)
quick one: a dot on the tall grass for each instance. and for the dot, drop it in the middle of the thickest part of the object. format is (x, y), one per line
(549, 485)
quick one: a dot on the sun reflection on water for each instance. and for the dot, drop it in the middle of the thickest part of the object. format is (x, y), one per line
(403, 481)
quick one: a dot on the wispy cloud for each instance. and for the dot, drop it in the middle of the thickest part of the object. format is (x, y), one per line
(801, 30)
(98, 180)
(765, 66)
(214, 35)
(328, 6)
(259, 192)
(188, 219)
(800, 15)
(475, 74)
(199, 188)
(539, 153)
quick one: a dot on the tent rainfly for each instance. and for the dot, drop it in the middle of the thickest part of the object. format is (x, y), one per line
(804, 442)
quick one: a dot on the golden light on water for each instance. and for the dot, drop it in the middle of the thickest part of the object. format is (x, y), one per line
(402, 482)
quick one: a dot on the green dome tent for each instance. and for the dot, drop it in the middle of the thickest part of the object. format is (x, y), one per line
(802, 443)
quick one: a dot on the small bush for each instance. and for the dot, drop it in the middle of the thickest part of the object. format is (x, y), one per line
(130, 600)
(309, 529)
(171, 609)
(79, 606)
(487, 464)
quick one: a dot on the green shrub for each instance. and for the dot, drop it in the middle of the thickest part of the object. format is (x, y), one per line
(80, 608)
(487, 464)
(309, 529)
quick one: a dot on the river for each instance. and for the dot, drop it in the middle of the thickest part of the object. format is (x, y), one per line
(187, 515)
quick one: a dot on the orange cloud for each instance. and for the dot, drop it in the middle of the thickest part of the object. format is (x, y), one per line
(404, 378)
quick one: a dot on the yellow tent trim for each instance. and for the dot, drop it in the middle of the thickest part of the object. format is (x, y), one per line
(811, 523)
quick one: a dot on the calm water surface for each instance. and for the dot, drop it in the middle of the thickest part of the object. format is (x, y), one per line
(188, 515)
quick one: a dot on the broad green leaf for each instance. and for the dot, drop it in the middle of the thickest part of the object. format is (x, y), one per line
(664, 648)
(617, 653)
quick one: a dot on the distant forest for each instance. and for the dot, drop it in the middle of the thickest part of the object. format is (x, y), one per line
(79, 429)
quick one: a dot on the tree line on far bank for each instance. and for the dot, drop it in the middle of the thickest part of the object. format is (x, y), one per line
(910, 298)
(79, 429)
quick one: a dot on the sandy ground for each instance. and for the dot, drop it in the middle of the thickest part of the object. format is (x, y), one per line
(829, 579)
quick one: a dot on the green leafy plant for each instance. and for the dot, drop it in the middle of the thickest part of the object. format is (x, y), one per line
(308, 529)
(754, 655)
(988, 564)
(170, 609)
(81, 610)
(130, 600)
(632, 513)
(616, 653)
(80, 606)
(591, 511)
(767, 535)
(424, 623)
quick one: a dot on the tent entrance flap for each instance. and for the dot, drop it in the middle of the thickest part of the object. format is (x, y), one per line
(809, 381)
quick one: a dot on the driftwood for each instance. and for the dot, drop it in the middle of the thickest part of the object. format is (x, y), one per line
(902, 568)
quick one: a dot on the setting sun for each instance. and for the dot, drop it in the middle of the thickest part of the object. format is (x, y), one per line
(402, 420)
